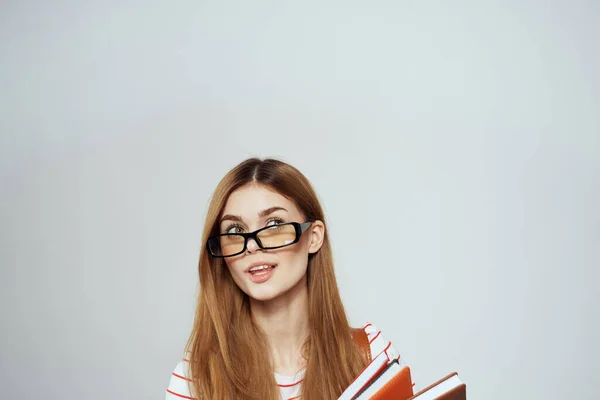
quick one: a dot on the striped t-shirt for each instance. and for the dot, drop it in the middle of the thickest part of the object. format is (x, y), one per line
(289, 386)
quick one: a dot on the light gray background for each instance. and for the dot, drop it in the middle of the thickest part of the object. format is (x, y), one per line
(455, 146)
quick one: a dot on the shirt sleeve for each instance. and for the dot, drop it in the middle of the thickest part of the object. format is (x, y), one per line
(178, 388)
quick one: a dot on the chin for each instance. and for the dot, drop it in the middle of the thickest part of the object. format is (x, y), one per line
(263, 293)
(270, 290)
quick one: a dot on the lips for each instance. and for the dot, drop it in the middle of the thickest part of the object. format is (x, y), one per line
(259, 265)
(261, 272)
(260, 269)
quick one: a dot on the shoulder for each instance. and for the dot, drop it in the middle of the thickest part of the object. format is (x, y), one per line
(178, 388)
(379, 343)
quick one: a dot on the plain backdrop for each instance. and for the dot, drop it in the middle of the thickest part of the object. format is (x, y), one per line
(455, 147)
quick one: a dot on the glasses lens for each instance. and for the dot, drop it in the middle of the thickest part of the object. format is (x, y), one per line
(277, 236)
(227, 245)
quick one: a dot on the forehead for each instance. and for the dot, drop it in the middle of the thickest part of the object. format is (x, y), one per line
(251, 199)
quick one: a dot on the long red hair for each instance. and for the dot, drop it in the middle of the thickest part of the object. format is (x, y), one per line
(227, 351)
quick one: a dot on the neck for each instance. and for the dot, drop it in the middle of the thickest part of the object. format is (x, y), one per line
(285, 323)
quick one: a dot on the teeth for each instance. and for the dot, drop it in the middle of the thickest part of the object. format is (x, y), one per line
(259, 268)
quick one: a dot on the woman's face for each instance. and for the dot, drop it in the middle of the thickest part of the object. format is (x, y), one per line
(252, 207)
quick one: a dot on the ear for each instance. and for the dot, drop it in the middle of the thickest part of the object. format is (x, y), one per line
(317, 235)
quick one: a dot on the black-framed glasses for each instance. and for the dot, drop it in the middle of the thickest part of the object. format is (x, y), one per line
(267, 238)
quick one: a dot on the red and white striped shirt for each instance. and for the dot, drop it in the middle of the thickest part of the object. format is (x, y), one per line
(289, 386)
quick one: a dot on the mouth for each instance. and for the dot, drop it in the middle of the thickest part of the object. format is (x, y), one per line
(260, 269)
(261, 273)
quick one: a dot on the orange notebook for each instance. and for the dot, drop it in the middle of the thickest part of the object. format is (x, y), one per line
(393, 383)
(448, 388)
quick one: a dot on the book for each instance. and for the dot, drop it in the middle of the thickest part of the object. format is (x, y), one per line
(448, 388)
(393, 383)
(371, 371)
(388, 378)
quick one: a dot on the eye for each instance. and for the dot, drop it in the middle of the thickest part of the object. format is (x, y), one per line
(275, 221)
(234, 229)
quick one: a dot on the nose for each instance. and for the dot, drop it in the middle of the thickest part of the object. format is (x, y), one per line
(252, 246)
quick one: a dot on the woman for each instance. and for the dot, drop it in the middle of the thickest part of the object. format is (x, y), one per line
(269, 321)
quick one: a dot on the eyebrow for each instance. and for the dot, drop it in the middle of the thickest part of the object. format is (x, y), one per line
(261, 214)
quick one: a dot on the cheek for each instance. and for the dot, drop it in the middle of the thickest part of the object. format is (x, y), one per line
(235, 267)
(294, 260)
